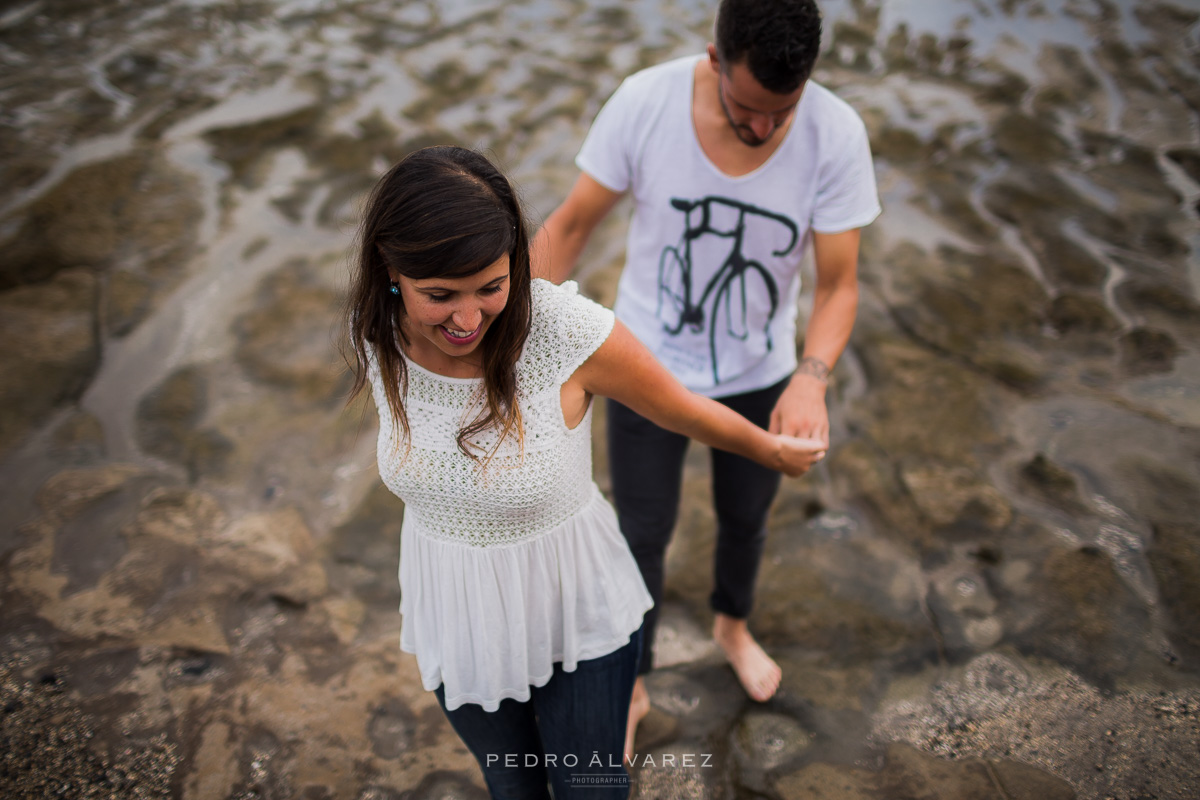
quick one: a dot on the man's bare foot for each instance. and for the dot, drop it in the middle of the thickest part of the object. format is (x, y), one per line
(639, 707)
(757, 671)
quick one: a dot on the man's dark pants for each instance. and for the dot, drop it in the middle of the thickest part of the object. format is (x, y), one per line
(646, 463)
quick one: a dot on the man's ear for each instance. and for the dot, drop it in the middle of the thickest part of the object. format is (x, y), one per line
(713, 61)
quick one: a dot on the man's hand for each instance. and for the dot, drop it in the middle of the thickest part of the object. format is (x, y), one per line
(801, 410)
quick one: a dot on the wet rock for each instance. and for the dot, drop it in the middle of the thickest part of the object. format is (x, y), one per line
(157, 574)
(1066, 261)
(964, 609)
(1027, 139)
(175, 406)
(345, 617)
(686, 770)
(390, 729)
(366, 548)
(214, 766)
(1145, 350)
(437, 785)
(810, 681)
(48, 350)
(287, 340)
(1044, 716)
(135, 73)
(315, 730)
(865, 476)
(273, 551)
(973, 306)
(897, 145)
(247, 149)
(1072, 313)
(91, 542)
(763, 741)
(1003, 88)
(131, 207)
(169, 417)
(679, 639)
(78, 439)
(261, 758)
(68, 493)
(1160, 302)
(840, 612)
(1188, 160)
(1174, 556)
(916, 393)
(907, 772)
(1035, 201)
(127, 297)
(1086, 617)
(51, 747)
(954, 496)
(949, 197)
(103, 671)
(1158, 488)
(698, 701)
(1070, 83)
(1052, 483)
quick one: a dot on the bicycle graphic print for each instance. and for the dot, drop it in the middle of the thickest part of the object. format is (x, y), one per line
(729, 291)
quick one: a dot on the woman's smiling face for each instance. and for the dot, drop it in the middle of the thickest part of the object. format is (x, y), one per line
(453, 314)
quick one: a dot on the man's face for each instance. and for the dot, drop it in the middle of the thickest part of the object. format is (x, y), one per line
(754, 112)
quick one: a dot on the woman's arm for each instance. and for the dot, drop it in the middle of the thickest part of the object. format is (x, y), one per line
(623, 369)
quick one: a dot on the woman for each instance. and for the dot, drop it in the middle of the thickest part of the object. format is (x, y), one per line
(519, 595)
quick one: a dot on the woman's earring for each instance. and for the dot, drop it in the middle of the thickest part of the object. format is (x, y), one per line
(395, 288)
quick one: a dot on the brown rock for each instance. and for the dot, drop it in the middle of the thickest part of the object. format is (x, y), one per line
(273, 550)
(169, 420)
(48, 350)
(132, 206)
(1175, 558)
(947, 494)
(1085, 615)
(1144, 351)
(288, 339)
(908, 772)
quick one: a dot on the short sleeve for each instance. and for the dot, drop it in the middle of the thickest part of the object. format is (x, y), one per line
(567, 328)
(607, 151)
(847, 197)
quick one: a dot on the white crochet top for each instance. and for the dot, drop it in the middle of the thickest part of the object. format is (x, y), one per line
(507, 569)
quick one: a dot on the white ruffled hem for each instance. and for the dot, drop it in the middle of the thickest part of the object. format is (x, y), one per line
(489, 623)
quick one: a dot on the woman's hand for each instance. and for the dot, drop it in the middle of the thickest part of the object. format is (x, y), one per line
(797, 456)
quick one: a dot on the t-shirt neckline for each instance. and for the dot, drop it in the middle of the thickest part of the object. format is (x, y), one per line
(695, 136)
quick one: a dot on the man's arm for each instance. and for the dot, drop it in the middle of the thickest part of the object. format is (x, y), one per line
(801, 409)
(557, 246)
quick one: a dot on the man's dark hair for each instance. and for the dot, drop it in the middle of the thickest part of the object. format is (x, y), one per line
(777, 39)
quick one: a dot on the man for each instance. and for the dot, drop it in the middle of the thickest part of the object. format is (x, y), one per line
(735, 161)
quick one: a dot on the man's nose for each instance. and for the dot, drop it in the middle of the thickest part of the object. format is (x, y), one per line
(763, 125)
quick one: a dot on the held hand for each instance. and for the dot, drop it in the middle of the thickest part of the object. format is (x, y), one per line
(797, 456)
(801, 410)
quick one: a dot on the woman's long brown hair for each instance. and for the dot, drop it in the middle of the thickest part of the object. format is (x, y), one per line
(442, 212)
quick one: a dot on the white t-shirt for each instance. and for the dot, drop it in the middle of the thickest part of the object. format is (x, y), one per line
(712, 271)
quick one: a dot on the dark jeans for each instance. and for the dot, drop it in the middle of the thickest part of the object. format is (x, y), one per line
(646, 463)
(569, 735)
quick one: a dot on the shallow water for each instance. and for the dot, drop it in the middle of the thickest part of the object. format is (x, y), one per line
(989, 588)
